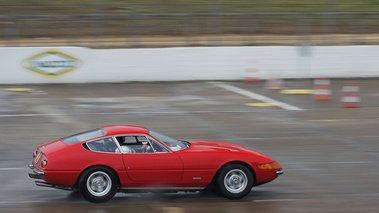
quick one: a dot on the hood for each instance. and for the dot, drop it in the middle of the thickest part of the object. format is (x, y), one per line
(220, 146)
(52, 147)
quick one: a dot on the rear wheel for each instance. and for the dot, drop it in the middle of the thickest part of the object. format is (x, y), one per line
(235, 181)
(98, 184)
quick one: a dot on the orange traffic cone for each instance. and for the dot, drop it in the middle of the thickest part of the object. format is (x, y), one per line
(322, 90)
(350, 95)
(251, 75)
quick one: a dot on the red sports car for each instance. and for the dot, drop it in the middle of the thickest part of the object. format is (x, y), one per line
(110, 159)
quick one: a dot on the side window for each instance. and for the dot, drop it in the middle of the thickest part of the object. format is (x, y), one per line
(139, 144)
(128, 144)
(103, 145)
(157, 147)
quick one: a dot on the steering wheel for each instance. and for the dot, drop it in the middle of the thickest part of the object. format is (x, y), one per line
(146, 148)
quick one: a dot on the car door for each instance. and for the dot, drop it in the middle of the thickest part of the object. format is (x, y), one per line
(147, 160)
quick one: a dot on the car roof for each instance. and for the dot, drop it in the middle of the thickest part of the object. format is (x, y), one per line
(124, 129)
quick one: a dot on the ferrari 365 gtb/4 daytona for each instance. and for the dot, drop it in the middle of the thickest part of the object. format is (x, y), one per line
(100, 162)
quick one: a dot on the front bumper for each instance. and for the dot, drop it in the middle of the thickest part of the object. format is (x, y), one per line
(279, 172)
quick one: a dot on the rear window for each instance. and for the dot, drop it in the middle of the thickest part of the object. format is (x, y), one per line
(84, 136)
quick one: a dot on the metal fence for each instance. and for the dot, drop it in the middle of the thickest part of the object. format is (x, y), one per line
(101, 27)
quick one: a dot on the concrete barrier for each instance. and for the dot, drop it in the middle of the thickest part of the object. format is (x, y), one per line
(35, 65)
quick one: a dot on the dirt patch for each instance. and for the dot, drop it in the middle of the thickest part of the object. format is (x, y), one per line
(204, 40)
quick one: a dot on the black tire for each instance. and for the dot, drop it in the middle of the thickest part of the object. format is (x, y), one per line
(98, 184)
(235, 181)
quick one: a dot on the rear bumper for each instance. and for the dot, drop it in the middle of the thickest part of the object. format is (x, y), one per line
(37, 174)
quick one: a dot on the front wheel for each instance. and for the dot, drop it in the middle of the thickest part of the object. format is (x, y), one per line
(235, 181)
(98, 184)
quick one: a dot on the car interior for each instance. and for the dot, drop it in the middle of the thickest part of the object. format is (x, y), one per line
(138, 144)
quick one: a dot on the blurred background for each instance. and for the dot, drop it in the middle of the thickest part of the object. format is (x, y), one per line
(161, 23)
(328, 153)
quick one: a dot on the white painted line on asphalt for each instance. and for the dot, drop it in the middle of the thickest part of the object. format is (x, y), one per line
(255, 96)
(122, 113)
(351, 162)
(8, 169)
(20, 115)
(354, 196)
(331, 162)
(282, 200)
(20, 202)
(113, 113)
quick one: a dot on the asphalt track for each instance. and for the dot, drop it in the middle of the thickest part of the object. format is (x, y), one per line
(329, 153)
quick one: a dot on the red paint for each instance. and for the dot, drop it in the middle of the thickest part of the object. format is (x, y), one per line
(194, 166)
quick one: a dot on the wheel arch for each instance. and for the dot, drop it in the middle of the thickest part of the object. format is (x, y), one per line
(235, 162)
(97, 165)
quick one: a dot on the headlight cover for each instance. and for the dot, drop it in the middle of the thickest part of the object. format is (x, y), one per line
(272, 165)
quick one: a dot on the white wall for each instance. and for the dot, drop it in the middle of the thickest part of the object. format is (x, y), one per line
(194, 63)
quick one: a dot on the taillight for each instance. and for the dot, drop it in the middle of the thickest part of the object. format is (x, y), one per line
(44, 163)
(34, 154)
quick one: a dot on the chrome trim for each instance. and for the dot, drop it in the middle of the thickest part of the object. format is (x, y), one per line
(161, 189)
(38, 172)
(279, 172)
(31, 166)
(117, 144)
(45, 184)
(35, 176)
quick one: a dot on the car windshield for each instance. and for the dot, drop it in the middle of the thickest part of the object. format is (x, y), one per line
(174, 145)
(84, 136)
